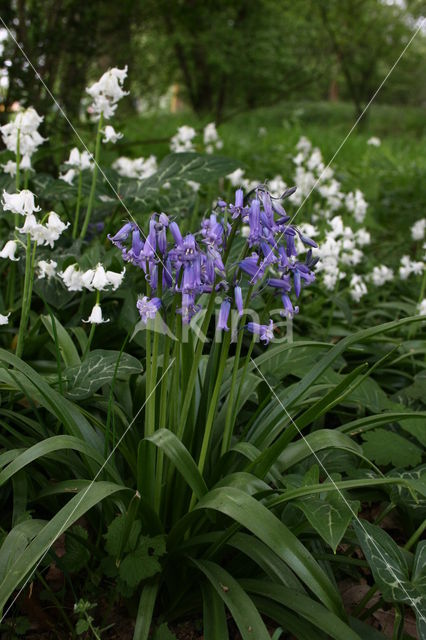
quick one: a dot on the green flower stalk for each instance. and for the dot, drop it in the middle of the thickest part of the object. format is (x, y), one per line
(94, 178)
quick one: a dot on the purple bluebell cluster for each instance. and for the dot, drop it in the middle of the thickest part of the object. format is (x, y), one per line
(197, 263)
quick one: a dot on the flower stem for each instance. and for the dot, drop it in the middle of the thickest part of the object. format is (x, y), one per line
(194, 369)
(26, 296)
(92, 331)
(77, 207)
(213, 406)
(94, 176)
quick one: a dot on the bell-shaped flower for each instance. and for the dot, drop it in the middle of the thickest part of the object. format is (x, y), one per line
(96, 316)
(46, 268)
(100, 280)
(115, 279)
(148, 308)
(21, 202)
(4, 319)
(9, 250)
(225, 308)
(9, 168)
(264, 331)
(68, 176)
(72, 278)
(110, 135)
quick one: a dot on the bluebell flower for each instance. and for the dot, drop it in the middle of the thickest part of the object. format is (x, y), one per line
(239, 300)
(238, 210)
(148, 308)
(253, 268)
(289, 311)
(254, 222)
(122, 234)
(225, 308)
(188, 308)
(264, 331)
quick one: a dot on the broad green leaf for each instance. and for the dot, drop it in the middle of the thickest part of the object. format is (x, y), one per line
(288, 397)
(145, 610)
(313, 442)
(50, 445)
(267, 560)
(64, 410)
(96, 370)
(77, 555)
(387, 447)
(304, 606)
(67, 348)
(391, 569)
(16, 542)
(70, 513)
(416, 427)
(115, 533)
(245, 614)
(181, 458)
(215, 625)
(143, 563)
(255, 517)
(401, 496)
(329, 515)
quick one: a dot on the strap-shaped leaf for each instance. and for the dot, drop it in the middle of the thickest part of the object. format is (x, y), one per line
(255, 517)
(179, 455)
(70, 513)
(245, 614)
(306, 607)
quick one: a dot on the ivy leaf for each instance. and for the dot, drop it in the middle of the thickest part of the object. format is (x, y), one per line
(391, 569)
(98, 369)
(143, 562)
(329, 515)
(386, 447)
(77, 554)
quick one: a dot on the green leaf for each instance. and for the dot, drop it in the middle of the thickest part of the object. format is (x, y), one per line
(215, 625)
(245, 614)
(329, 515)
(70, 513)
(313, 442)
(391, 569)
(163, 633)
(255, 517)
(387, 447)
(115, 533)
(65, 411)
(304, 606)
(82, 626)
(181, 458)
(50, 445)
(416, 427)
(145, 610)
(143, 562)
(96, 370)
(67, 348)
(77, 555)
